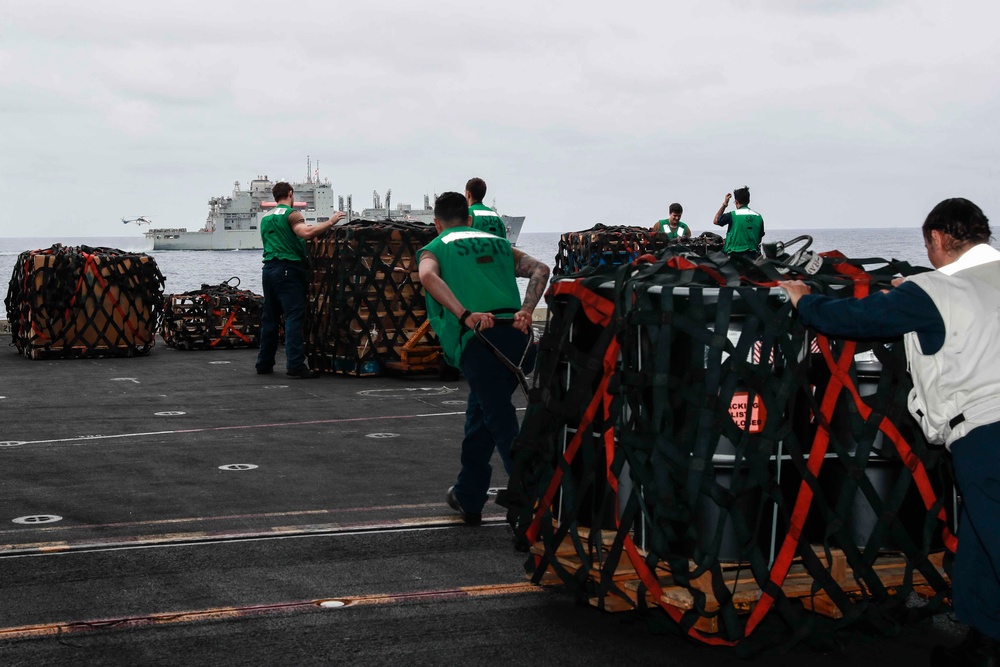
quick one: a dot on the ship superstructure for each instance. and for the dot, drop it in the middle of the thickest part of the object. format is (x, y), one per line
(233, 222)
(426, 214)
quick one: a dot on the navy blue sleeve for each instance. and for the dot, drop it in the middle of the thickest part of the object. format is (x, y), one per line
(881, 315)
(724, 220)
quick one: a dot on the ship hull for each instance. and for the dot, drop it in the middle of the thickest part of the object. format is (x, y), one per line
(513, 224)
(241, 239)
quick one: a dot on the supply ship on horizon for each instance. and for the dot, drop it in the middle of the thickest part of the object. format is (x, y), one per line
(233, 222)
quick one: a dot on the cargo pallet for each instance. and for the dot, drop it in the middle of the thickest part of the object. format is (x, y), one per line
(890, 568)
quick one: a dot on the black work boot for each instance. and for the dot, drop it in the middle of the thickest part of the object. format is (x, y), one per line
(976, 650)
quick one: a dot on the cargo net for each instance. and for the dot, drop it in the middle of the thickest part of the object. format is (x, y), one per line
(366, 313)
(604, 245)
(84, 302)
(690, 448)
(215, 316)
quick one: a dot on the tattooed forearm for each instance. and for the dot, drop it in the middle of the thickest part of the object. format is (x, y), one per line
(537, 274)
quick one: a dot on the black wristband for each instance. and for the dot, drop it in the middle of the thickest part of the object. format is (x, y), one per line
(464, 316)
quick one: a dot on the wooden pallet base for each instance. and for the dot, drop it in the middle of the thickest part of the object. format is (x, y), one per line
(891, 570)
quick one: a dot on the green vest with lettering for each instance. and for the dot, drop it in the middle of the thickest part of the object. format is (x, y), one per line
(280, 242)
(479, 269)
(486, 219)
(746, 228)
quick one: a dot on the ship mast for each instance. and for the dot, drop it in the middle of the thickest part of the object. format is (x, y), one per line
(309, 169)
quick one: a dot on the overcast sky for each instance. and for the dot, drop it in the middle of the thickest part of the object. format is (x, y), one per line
(835, 113)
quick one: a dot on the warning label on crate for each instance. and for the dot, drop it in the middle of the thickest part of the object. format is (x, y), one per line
(739, 411)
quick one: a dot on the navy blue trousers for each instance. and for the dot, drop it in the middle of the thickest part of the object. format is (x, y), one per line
(976, 585)
(284, 294)
(490, 418)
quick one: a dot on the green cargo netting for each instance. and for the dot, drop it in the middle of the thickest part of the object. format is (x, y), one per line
(691, 448)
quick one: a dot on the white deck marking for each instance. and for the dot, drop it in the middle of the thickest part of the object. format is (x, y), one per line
(146, 434)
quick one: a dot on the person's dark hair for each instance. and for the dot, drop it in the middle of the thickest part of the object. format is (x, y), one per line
(960, 219)
(477, 188)
(676, 208)
(742, 196)
(281, 190)
(451, 209)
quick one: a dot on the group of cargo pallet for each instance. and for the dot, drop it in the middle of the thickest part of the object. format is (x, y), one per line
(690, 448)
(85, 302)
(366, 313)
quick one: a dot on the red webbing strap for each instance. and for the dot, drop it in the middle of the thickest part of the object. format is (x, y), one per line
(228, 326)
(574, 444)
(817, 455)
(599, 311)
(906, 454)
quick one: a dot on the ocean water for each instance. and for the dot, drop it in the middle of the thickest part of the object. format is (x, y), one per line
(188, 269)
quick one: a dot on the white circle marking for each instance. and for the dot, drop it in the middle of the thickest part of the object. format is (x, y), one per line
(36, 519)
(407, 392)
(238, 466)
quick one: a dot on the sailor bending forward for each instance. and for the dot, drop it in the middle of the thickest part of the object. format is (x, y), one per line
(469, 277)
(950, 323)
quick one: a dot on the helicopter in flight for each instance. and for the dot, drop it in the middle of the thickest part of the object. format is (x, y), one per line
(141, 220)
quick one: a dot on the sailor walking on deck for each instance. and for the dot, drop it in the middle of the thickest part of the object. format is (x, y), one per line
(951, 329)
(469, 276)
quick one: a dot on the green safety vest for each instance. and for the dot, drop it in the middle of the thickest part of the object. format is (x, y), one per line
(663, 226)
(479, 269)
(746, 228)
(280, 242)
(486, 219)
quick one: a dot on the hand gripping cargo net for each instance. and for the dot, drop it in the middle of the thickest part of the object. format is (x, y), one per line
(366, 313)
(215, 316)
(84, 302)
(691, 448)
(604, 245)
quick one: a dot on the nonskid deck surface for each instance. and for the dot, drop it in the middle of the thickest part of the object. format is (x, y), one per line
(207, 513)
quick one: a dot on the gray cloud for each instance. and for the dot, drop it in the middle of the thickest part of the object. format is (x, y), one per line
(573, 112)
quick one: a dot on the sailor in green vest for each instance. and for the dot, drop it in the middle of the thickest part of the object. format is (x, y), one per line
(672, 226)
(483, 217)
(469, 280)
(746, 227)
(284, 233)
